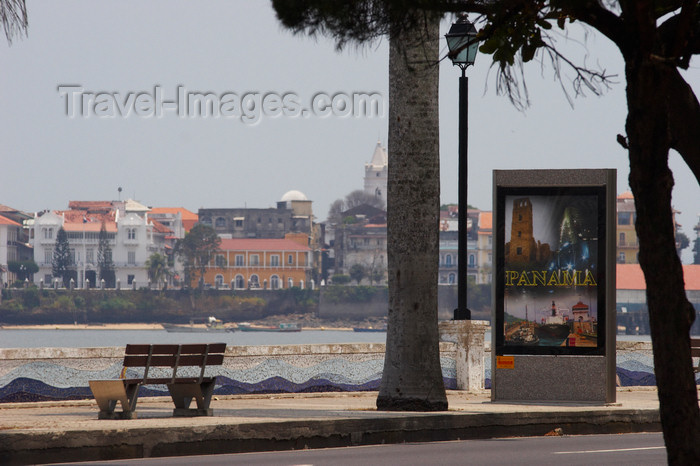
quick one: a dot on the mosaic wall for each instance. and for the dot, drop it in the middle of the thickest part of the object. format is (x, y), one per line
(40, 374)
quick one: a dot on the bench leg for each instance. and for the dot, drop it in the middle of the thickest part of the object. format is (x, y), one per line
(182, 395)
(108, 392)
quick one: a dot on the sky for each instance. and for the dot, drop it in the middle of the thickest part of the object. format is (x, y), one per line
(88, 105)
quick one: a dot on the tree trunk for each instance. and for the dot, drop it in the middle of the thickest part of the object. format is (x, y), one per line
(670, 312)
(412, 377)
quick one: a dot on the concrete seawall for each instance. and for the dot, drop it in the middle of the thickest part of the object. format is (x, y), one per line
(44, 374)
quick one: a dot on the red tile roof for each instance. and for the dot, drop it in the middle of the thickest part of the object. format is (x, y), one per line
(259, 244)
(631, 277)
(626, 195)
(159, 227)
(7, 221)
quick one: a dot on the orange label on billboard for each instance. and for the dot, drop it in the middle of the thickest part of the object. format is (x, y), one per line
(505, 362)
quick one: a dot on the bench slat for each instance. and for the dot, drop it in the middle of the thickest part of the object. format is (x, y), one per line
(187, 360)
(189, 348)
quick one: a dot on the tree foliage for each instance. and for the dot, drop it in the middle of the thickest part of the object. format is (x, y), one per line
(105, 265)
(358, 272)
(196, 250)
(13, 16)
(23, 269)
(62, 261)
(354, 199)
(157, 266)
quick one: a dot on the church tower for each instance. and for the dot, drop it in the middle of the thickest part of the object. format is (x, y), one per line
(376, 173)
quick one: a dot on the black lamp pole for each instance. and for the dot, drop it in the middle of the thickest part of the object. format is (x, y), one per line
(462, 45)
(462, 313)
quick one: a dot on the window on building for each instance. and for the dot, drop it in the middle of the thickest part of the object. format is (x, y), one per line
(48, 256)
(240, 282)
(240, 260)
(254, 281)
(131, 257)
(220, 261)
(520, 234)
(131, 233)
(275, 260)
(290, 259)
(274, 282)
(624, 218)
(621, 257)
(90, 256)
(519, 251)
(448, 260)
(622, 239)
(219, 281)
(130, 279)
(238, 223)
(48, 233)
(220, 222)
(451, 279)
(254, 259)
(472, 260)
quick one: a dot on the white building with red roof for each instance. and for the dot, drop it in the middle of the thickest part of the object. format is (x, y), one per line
(132, 237)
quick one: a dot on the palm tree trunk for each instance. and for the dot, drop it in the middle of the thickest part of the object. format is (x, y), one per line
(412, 377)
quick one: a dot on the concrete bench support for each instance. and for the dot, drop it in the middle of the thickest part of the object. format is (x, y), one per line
(469, 337)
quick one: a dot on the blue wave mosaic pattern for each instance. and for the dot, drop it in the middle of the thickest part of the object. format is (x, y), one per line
(66, 378)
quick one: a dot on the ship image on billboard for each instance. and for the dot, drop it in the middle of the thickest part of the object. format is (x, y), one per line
(550, 270)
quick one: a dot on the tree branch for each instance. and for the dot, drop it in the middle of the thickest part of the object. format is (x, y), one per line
(684, 120)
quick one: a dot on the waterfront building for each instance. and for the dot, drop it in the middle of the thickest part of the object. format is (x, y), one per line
(131, 235)
(293, 214)
(261, 263)
(484, 248)
(360, 239)
(13, 242)
(627, 241)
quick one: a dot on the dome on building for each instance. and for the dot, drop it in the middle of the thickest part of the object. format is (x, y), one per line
(293, 195)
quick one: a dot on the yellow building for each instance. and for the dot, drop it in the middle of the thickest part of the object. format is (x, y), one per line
(627, 242)
(261, 263)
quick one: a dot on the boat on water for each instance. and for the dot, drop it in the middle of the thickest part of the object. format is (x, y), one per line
(209, 325)
(282, 327)
(554, 326)
(369, 329)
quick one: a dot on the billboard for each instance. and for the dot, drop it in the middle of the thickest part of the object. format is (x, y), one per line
(550, 270)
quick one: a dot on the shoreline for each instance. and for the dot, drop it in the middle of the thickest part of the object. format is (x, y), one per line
(132, 327)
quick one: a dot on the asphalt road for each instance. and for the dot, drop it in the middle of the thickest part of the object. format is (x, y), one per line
(620, 449)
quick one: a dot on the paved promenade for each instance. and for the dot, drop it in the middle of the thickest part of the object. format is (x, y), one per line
(70, 431)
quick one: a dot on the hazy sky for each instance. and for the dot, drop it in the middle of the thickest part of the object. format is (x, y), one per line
(233, 48)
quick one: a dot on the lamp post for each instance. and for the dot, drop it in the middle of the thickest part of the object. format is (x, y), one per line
(462, 45)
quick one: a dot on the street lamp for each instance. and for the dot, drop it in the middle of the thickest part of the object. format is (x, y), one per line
(462, 45)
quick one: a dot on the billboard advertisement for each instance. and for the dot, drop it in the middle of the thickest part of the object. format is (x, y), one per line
(550, 267)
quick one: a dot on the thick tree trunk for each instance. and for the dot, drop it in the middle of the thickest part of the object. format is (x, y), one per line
(412, 378)
(670, 312)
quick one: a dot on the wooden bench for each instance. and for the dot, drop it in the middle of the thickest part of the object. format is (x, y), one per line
(695, 351)
(182, 389)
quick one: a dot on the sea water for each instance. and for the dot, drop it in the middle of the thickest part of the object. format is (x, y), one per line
(91, 338)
